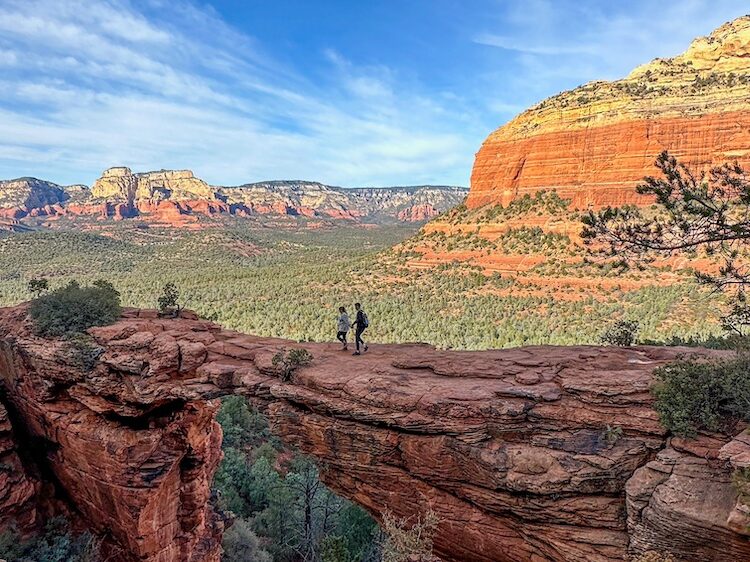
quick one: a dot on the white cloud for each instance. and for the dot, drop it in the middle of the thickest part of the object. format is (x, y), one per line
(88, 84)
(103, 85)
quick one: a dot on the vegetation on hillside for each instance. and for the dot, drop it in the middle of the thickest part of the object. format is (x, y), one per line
(284, 512)
(274, 282)
(693, 210)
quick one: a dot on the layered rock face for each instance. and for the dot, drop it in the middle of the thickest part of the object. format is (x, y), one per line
(22, 196)
(122, 184)
(19, 489)
(177, 197)
(510, 447)
(595, 143)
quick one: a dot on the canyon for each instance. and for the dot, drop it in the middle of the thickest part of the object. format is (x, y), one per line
(179, 198)
(513, 449)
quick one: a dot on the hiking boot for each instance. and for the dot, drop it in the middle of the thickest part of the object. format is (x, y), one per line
(356, 353)
(366, 348)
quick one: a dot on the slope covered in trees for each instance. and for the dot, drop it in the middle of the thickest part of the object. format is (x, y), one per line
(290, 283)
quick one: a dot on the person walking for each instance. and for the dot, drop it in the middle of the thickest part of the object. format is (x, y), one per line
(343, 326)
(361, 323)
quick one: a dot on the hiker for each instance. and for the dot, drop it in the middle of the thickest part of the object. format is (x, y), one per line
(343, 326)
(361, 323)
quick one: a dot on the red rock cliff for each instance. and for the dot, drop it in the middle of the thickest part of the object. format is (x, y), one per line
(595, 143)
(508, 447)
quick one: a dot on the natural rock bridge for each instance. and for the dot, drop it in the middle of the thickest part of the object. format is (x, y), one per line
(508, 447)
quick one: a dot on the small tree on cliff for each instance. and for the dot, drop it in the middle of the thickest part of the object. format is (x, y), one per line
(169, 301)
(38, 286)
(707, 211)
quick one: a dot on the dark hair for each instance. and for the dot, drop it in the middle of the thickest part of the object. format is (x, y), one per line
(357, 304)
(342, 309)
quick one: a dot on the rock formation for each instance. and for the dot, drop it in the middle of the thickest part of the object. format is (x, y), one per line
(121, 184)
(19, 489)
(510, 447)
(177, 197)
(595, 143)
(21, 196)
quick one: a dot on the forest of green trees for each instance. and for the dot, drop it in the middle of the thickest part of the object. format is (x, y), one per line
(289, 283)
(282, 510)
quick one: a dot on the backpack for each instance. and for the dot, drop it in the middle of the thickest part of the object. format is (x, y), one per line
(366, 321)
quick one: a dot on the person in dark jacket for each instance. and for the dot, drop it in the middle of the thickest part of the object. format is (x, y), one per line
(360, 325)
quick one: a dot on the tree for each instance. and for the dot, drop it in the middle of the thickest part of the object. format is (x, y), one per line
(38, 286)
(621, 333)
(287, 362)
(168, 301)
(707, 211)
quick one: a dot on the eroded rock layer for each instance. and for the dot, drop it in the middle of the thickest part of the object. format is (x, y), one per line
(178, 198)
(595, 143)
(511, 448)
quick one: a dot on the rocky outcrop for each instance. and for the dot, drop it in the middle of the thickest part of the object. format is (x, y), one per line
(595, 143)
(511, 448)
(418, 213)
(22, 196)
(177, 198)
(121, 184)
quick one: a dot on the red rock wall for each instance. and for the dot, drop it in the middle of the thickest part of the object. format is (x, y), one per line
(19, 490)
(508, 447)
(598, 166)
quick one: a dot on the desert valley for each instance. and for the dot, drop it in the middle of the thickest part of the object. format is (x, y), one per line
(551, 376)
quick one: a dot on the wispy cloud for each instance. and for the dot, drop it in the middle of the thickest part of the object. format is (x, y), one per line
(86, 84)
(100, 82)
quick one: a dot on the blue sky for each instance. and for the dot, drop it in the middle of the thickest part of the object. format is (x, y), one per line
(347, 92)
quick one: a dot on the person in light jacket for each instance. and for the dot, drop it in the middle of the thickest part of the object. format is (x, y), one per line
(343, 327)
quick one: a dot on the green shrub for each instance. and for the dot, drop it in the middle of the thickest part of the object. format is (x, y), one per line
(612, 434)
(56, 544)
(241, 544)
(622, 333)
(333, 549)
(38, 286)
(692, 395)
(74, 309)
(288, 361)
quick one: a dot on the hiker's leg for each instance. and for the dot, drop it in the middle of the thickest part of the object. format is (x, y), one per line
(359, 338)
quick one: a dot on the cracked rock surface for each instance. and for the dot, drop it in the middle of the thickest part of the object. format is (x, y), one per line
(509, 447)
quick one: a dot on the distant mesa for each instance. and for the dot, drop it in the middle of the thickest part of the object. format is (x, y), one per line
(594, 143)
(178, 197)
